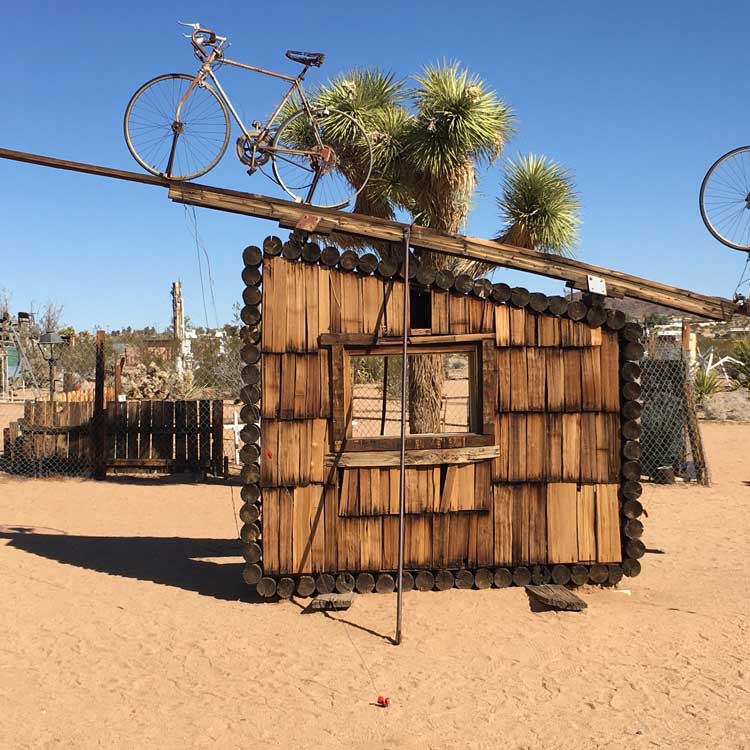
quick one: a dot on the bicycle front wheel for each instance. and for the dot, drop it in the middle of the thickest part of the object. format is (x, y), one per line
(725, 199)
(176, 148)
(327, 176)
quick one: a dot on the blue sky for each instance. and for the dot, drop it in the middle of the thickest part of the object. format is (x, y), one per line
(637, 99)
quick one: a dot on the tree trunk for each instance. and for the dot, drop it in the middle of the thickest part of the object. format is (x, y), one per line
(425, 389)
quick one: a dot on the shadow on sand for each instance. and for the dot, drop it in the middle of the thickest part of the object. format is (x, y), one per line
(170, 561)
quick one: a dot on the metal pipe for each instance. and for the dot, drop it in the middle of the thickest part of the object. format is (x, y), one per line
(402, 466)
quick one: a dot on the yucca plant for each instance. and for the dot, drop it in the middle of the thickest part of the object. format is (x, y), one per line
(539, 206)
(706, 383)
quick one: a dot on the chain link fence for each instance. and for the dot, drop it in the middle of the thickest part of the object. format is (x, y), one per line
(165, 410)
(376, 394)
(671, 442)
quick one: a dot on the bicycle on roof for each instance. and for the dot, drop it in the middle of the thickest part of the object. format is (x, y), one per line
(178, 126)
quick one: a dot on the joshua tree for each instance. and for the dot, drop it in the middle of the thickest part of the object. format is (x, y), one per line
(429, 139)
(539, 206)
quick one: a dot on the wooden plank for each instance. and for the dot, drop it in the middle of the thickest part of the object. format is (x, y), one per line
(394, 308)
(588, 448)
(503, 380)
(586, 522)
(120, 430)
(556, 597)
(502, 325)
(333, 602)
(324, 300)
(458, 540)
(603, 449)
(289, 213)
(365, 492)
(286, 531)
(325, 384)
(465, 476)
(331, 525)
(394, 489)
(536, 378)
(269, 454)
(591, 379)
(433, 441)
(517, 448)
(295, 308)
(517, 326)
(288, 386)
(349, 497)
(289, 450)
(537, 495)
(571, 447)
(521, 531)
(562, 524)
(548, 330)
(351, 303)
(271, 563)
(318, 450)
(572, 365)
(301, 376)
(337, 393)
(483, 485)
(349, 535)
(502, 516)
(373, 306)
(614, 447)
(441, 525)
(310, 273)
(519, 389)
(458, 314)
(536, 447)
(609, 363)
(607, 524)
(555, 379)
(371, 544)
(439, 312)
(308, 540)
(489, 387)
(554, 439)
(335, 301)
(531, 328)
(412, 457)
(276, 320)
(389, 559)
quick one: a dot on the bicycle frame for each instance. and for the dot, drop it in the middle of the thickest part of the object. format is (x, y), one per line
(206, 70)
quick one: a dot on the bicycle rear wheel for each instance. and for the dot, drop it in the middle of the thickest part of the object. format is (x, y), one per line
(338, 175)
(150, 124)
(725, 199)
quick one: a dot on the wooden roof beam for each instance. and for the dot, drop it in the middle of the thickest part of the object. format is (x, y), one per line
(287, 214)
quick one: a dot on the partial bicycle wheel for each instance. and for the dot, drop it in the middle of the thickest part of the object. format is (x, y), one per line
(725, 199)
(155, 137)
(335, 173)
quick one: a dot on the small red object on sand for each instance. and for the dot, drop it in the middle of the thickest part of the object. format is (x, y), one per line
(384, 701)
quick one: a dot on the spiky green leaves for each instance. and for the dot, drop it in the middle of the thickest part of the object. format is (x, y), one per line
(456, 119)
(539, 206)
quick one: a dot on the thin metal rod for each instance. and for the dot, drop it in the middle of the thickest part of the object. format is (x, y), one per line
(402, 466)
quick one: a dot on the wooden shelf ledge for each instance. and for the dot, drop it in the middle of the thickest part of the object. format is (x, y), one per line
(365, 459)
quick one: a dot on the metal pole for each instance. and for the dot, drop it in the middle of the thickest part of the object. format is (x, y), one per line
(402, 483)
(51, 379)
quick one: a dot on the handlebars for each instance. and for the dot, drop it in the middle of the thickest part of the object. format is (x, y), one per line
(200, 36)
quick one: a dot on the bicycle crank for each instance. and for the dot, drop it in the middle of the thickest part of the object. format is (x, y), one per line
(252, 152)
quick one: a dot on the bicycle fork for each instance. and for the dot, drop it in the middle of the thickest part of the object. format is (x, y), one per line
(177, 125)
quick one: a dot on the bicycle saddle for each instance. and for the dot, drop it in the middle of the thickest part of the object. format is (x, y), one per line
(306, 58)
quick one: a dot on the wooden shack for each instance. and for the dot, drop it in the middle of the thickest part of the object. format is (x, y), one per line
(533, 472)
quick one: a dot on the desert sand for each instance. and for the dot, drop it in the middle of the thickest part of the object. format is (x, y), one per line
(125, 624)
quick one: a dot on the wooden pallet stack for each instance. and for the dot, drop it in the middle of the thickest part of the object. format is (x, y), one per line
(543, 486)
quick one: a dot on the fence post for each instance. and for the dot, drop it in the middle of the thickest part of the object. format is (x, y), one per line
(99, 421)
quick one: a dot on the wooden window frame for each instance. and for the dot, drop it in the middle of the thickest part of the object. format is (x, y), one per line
(483, 385)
